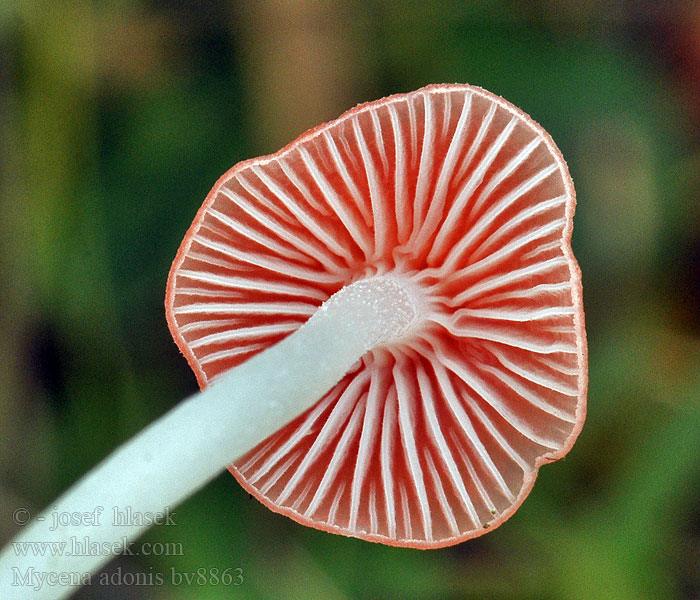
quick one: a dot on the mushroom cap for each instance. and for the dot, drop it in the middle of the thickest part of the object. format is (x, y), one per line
(437, 438)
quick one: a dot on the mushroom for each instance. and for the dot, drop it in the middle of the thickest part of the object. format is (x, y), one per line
(460, 202)
(386, 320)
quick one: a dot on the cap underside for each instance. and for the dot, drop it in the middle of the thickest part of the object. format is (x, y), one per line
(439, 438)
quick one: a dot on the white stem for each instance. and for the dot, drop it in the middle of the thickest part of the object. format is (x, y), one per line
(178, 454)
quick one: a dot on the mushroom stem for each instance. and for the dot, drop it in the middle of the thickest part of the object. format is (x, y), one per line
(182, 451)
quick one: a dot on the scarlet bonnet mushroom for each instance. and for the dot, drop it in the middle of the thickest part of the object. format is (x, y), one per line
(446, 213)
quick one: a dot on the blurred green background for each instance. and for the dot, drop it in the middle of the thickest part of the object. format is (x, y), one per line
(117, 117)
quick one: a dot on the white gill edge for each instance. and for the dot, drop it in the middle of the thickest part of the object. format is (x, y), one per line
(197, 326)
(386, 452)
(300, 185)
(507, 337)
(463, 193)
(213, 357)
(440, 494)
(437, 203)
(309, 221)
(258, 285)
(463, 196)
(337, 204)
(491, 397)
(478, 140)
(348, 180)
(481, 490)
(544, 249)
(536, 377)
(500, 438)
(295, 438)
(379, 138)
(334, 505)
(500, 176)
(301, 497)
(494, 282)
(517, 243)
(339, 415)
(246, 308)
(401, 206)
(445, 454)
(279, 472)
(406, 410)
(377, 200)
(321, 254)
(531, 293)
(447, 114)
(480, 226)
(425, 167)
(244, 333)
(509, 381)
(557, 366)
(257, 199)
(413, 128)
(265, 262)
(455, 405)
(373, 516)
(258, 454)
(256, 235)
(406, 512)
(495, 238)
(370, 427)
(520, 315)
(340, 454)
(203, 293)
(483, 418)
